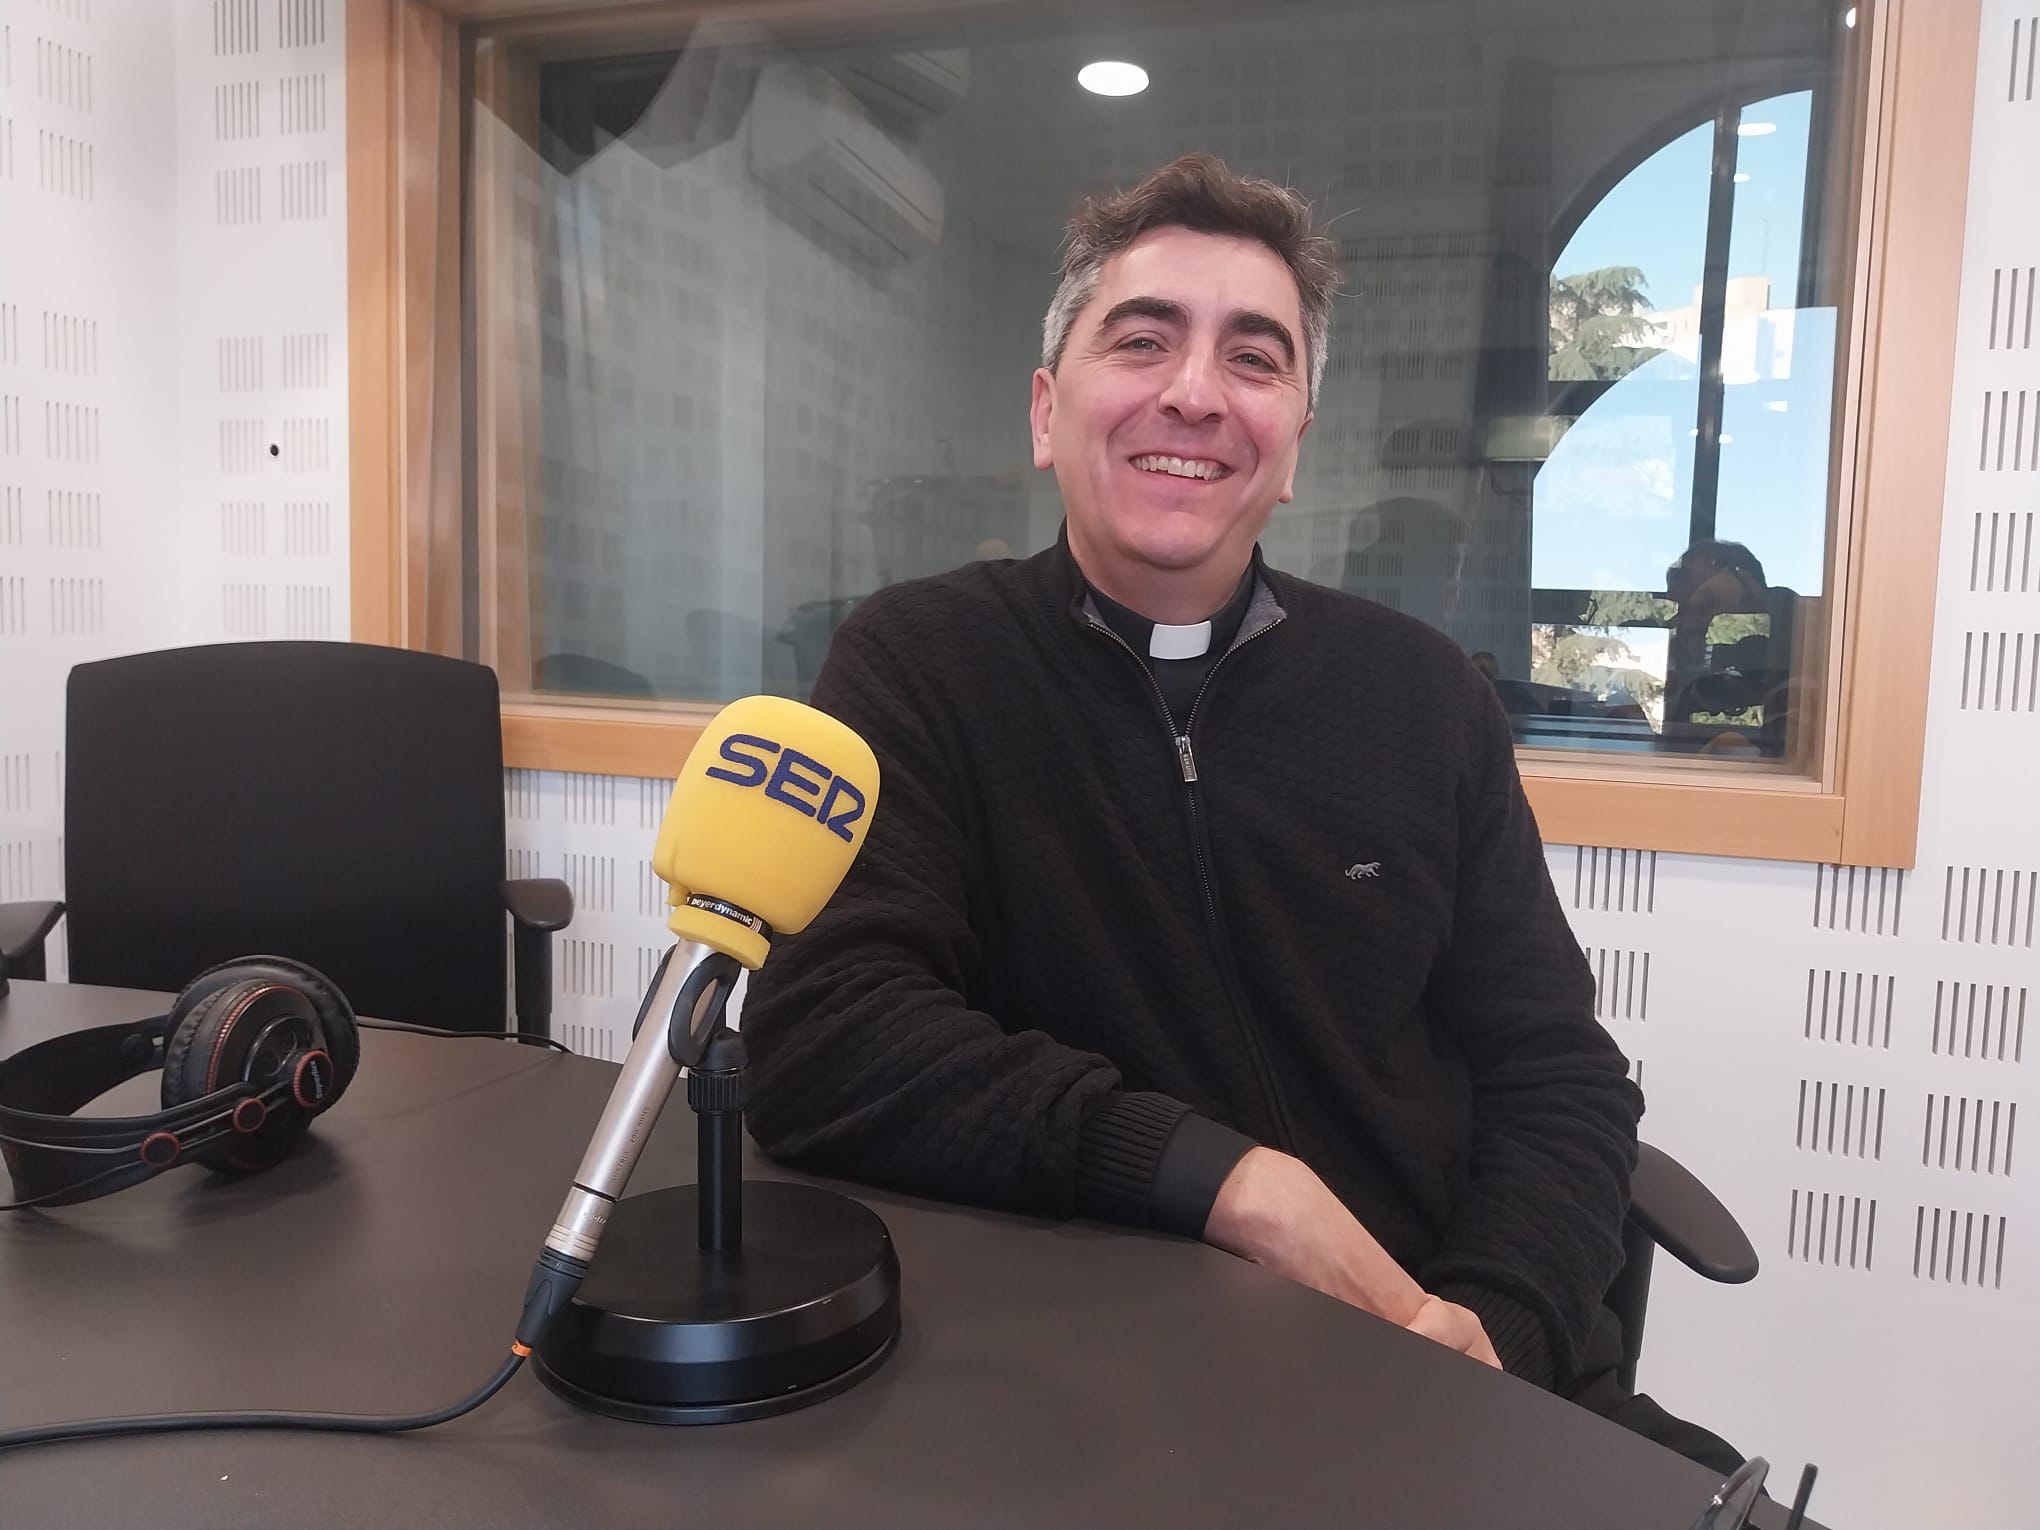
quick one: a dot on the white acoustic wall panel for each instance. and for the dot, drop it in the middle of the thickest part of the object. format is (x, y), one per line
(596, 834)
(88, 413)
(172, 353)
(1846, 1054)
(262, 311)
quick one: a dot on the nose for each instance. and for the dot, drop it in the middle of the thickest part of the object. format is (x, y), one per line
(1194, 392)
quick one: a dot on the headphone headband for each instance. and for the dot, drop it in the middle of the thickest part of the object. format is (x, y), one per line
(251, 1052)
(58, 1076)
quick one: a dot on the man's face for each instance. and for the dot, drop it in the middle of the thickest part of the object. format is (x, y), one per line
(1174, 417)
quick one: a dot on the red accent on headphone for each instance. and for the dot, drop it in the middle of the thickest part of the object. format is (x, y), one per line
(249, 1116)
(322, 1085)
(150, 1149)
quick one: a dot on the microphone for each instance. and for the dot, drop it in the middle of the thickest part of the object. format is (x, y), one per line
(765, 818)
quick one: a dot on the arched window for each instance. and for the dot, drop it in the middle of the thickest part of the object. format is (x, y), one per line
(1680, 518)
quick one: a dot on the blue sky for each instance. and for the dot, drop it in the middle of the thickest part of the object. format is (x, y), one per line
(1613, 503)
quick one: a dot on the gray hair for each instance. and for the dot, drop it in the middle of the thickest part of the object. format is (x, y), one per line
(1197, 192)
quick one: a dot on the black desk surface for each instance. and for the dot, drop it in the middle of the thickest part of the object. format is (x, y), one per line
(1046, 1374)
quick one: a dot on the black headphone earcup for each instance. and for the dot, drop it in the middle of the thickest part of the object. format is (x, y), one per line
(190, 1054)
(336, 1015)
(220, 1033)
(189, 1021)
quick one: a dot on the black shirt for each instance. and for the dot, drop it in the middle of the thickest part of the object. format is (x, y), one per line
(1023, 992)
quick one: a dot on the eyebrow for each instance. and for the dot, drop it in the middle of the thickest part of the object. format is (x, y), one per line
(1242, 321)
(1161, 309)
(1247, 322)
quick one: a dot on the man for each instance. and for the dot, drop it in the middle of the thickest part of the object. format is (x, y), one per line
(1199, 897)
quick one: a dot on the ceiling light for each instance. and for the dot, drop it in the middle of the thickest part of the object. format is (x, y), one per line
(1755, 129)
(1776, 405)
(1724, 438)
(1741, 176)
(1849, 17)
(1113, 79)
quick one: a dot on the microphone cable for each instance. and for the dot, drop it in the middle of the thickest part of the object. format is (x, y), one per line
(540, 1305)
(343, 1423)
(552, 1285)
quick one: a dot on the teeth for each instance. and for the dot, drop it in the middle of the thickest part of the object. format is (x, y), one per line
(1178, 467)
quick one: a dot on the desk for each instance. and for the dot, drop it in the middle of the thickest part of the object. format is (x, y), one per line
(1046, 1374)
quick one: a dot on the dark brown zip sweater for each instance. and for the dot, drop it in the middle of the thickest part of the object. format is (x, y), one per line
(1074, 940)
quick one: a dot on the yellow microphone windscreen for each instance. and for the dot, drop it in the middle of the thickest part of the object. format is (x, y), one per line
(769, 811)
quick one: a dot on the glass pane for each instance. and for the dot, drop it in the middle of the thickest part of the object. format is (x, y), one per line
(757, 309)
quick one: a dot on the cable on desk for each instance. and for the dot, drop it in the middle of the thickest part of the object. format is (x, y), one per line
(433, 1030)
(343, 1423)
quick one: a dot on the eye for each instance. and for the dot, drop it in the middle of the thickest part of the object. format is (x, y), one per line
(1140, 341)
(1257, 360)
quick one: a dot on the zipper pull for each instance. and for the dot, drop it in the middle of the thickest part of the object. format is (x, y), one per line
(1187, 759)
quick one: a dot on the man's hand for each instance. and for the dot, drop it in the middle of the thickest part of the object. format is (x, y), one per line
(1455, 1327)
(1273, 1210)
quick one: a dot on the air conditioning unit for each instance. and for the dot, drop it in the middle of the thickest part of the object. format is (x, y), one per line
(835, 172)
(910, 85)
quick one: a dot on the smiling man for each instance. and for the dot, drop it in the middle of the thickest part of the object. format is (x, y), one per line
(1201, 898)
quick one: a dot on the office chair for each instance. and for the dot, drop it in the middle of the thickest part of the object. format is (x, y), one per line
(336, 803)
(1670, 1209)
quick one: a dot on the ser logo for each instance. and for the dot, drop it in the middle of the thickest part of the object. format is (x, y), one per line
(798, 780)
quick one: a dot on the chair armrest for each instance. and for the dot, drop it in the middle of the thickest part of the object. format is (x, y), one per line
(538, 906)
(1684, 1218)
(23, 929)
(539, 903)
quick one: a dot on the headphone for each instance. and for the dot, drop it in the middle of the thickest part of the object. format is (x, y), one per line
(251, 1051)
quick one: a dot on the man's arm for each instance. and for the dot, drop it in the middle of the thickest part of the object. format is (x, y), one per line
(1536, 1238)
(869, 1063)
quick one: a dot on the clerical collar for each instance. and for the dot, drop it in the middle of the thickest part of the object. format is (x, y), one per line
(1159, 640)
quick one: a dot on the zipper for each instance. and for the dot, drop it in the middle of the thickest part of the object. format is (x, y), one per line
(1221, 948)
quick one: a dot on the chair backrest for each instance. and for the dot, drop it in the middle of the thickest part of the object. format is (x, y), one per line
(336, 803)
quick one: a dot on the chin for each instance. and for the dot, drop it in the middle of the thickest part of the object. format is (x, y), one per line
(1168, 539)
(1170, 552)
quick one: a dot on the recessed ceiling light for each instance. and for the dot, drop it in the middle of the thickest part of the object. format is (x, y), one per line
(1776, 405)
(1755, 129)
(1725, 438)
(1107, 78)
(1741, 176)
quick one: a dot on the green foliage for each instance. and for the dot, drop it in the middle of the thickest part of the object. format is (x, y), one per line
(1626, 608)
(1596, 323)
(1592, 656)
(1734, 626)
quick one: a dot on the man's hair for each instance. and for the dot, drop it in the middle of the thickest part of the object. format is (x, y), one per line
(1197, 192)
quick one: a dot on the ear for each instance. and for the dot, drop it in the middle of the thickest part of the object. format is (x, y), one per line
(1040, 410)
(1289, 483)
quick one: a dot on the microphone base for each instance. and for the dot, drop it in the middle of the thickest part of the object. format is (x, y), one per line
(664, 1333)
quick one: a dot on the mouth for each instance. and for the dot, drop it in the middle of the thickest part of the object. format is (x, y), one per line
(1202, 469)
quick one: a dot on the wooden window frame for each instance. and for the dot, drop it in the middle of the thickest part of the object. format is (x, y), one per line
(405, 232)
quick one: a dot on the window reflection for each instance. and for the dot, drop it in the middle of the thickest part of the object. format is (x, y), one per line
(1694, 438)
(786, 286)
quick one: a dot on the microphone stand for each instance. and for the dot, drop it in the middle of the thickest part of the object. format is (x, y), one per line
(717, 1092)
(722, 1300)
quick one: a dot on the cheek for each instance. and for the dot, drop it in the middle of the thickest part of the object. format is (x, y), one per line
(1105, 412)
(1273, 434)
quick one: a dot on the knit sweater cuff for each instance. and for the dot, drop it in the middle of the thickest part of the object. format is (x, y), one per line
(1514, 1330)
(1117, 1153)
(1151, 1161)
